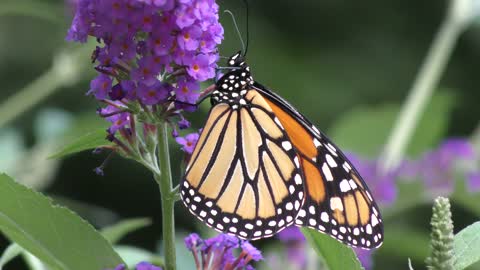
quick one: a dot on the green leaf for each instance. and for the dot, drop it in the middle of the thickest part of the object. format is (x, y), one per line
(88, 141)
(364, 130)
(116, 232)
(54, 234)
(133, 255)
(33, 262)
(12, 251)
(466, 246)
(336, 255)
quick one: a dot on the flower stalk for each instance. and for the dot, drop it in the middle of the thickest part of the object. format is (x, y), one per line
(458, 17)
(168, 196)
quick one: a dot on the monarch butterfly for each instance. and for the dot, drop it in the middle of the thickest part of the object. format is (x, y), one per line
(260, 166)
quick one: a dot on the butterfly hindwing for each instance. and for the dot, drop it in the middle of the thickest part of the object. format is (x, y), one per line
(244, 177)
(337, 200)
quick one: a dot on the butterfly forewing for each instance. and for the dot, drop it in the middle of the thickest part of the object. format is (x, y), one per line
(337, 201)
(244, 177)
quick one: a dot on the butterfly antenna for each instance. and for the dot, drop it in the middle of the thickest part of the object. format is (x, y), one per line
(248, 38)
(236, 28)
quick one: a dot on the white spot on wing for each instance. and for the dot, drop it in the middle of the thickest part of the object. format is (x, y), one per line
(324, 217)
(330, 161)
(331, 149)
(369, 229)
(374, 220)
(336, 203)
(344, 186)
(289, 206)
(326, 171)
(286, 145)
(352, 184)
(298, 179)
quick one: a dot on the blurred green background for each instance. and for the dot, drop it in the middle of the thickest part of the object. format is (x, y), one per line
(330, 59)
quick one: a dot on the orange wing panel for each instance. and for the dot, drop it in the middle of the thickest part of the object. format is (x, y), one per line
(300, 137)
(314, 181)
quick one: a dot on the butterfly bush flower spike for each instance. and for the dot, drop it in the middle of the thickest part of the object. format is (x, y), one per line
(438, 166)
(139, 266)
(151, 57)
(295, 246)
(218, 252)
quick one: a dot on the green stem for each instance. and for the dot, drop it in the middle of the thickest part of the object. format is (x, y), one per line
(427, 79)
(164, 180)
(67, 69)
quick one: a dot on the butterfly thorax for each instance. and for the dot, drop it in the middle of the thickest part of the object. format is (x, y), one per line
(232, 87)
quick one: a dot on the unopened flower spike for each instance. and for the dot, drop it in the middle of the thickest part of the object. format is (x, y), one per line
(441, 256)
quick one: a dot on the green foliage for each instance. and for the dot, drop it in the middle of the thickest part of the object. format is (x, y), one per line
(116, 232)
(336, 256)
(88, 141)
(465, 198)
(133, 255)
(404, 242)
(364, 130)
(12, 251)
(441, 257)
(466, 247)
(54, 234)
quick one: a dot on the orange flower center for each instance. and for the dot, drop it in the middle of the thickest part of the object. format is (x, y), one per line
(196, 68)
(104, 85)
(185, 89)
(147, 20)
(146, 71)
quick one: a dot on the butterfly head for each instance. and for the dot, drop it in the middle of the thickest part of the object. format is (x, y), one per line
(237, 60)
(233, 85)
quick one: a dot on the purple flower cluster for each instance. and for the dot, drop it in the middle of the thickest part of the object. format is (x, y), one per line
(139, 266)
(295, 246)
(218, 252)
(151, 58)
(437, 169)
